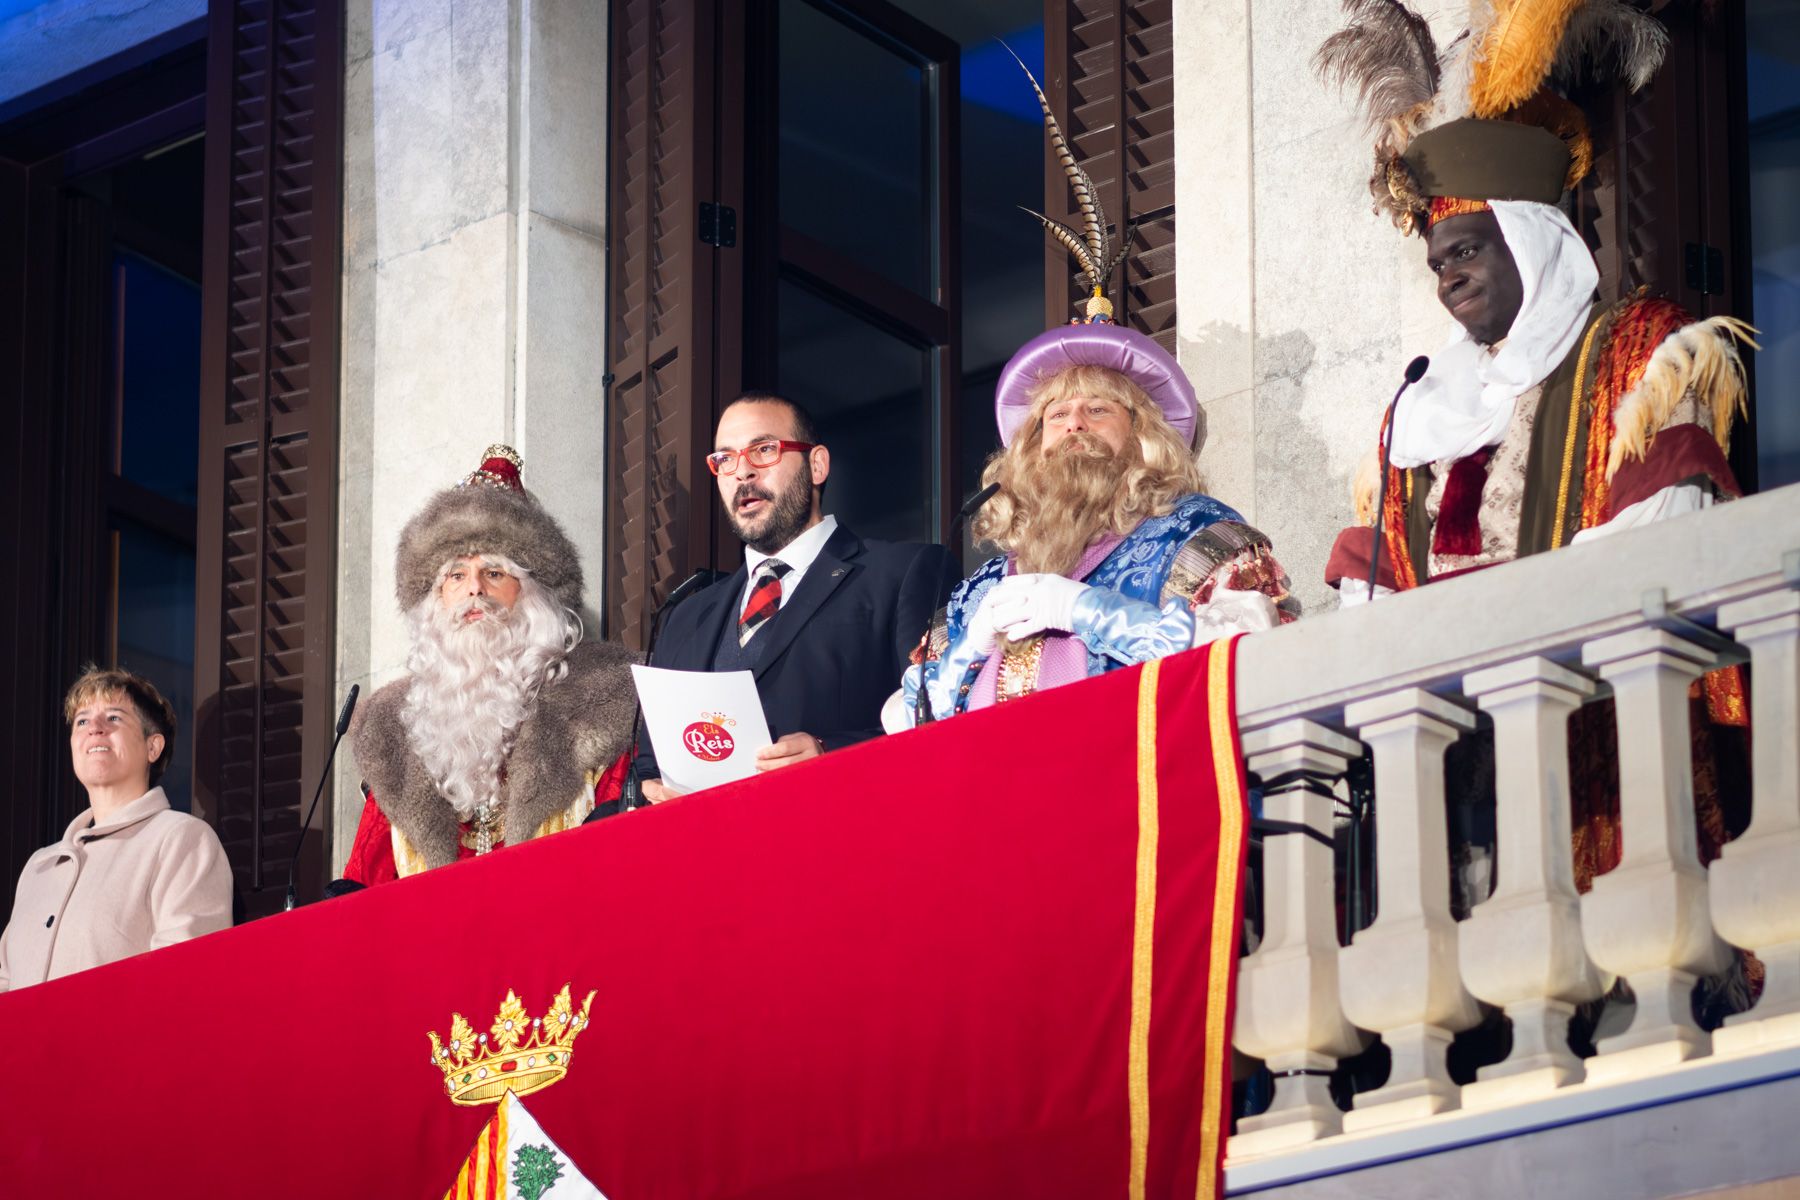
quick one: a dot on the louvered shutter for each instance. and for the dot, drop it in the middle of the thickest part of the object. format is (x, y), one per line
(1658, 206)
(1661, 171)
(1111, 80)
(264, 655)
(659, 307)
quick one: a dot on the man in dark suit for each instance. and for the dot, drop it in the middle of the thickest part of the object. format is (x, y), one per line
(825, 619)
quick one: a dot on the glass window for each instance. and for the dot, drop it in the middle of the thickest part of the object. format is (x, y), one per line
(853, 144)
(1002, 248)
(158, 378)
(155, 635)
(871, 393)
(1772, 78)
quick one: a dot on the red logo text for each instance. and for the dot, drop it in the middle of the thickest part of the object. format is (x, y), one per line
(707, 741)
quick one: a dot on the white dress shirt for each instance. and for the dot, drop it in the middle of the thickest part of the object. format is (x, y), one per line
(797, 554)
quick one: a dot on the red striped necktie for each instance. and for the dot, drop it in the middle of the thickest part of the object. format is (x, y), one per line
(765, 598)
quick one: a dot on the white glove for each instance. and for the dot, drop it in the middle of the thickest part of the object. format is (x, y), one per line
(1028, 604)
(982, 634)
(1352, 592)
(1231, 611)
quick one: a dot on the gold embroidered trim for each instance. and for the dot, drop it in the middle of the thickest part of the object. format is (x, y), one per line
(1143, 931)
(1225, 890)
(407, 861)
(1568, 463)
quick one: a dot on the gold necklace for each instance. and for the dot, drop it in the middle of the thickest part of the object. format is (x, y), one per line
(1019, 669)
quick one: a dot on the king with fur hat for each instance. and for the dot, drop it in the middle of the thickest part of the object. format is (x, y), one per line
(1110, 553)
(508, 725)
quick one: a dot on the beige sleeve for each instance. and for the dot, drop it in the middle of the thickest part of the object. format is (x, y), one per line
(192, 892)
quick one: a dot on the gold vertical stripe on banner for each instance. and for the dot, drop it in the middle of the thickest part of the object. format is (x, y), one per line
(484, 1162)
(1221, 720)
(502, 1139)
(1143, 931)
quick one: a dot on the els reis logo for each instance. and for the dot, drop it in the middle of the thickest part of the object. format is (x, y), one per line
(707, 739)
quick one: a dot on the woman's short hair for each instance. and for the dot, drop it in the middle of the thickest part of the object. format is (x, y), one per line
(156, 714)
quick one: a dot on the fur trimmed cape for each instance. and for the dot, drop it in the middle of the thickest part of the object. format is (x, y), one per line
(580, 723)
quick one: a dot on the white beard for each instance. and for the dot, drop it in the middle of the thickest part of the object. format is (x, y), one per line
(475, 682)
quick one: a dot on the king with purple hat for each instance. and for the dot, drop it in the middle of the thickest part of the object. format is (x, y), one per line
(1110, 553)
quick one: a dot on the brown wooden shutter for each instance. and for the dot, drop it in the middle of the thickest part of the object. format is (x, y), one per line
(1111, 80)
(265, 656)
(660, 296)
(1659, 207)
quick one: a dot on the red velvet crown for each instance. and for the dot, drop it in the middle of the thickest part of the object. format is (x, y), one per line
(499, 468)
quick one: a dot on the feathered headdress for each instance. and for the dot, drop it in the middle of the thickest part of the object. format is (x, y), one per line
(1516, 56)
(1093, 341)
(1092, 246)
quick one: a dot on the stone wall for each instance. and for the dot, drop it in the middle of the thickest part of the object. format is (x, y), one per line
(1298, 307)
(474, 274)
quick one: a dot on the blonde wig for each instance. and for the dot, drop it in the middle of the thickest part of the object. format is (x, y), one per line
(1050, 507)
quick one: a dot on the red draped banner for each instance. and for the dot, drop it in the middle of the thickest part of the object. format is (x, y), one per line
(992, 957)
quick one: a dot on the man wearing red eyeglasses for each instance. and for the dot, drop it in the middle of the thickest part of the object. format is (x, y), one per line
(824, 618)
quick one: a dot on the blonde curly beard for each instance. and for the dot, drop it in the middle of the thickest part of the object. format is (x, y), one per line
(1076, 486)
(475, 682)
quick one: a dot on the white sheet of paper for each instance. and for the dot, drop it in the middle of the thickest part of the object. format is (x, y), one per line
(705, 726)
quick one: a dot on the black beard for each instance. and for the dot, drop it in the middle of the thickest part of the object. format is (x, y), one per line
(787, 518)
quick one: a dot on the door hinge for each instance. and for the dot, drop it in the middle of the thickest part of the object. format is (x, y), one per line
(1705, 269)
(718, 225)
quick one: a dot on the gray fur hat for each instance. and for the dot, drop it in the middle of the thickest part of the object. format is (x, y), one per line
(489, 512)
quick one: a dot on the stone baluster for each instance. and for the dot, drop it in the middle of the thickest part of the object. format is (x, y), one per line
(1400, 976)
(1648, 918)
(1521, 948)
(1288, 1011)
(1756, 880)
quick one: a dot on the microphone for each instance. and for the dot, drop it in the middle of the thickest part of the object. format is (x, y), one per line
(922, 714)
(632, 794)
(343, 727)
(1415, 371)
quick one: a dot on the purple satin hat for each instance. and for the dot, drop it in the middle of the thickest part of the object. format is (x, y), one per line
(1101, 344)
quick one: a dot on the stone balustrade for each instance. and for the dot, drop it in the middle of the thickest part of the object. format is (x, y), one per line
(1637, 618)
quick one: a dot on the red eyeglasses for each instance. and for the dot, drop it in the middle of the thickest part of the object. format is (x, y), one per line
(757, 454)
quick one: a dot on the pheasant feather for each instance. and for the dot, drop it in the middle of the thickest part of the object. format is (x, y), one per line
(1087, 196)
(1613, 40)
(1516, 52)
(1069, 238)
(1387, 54)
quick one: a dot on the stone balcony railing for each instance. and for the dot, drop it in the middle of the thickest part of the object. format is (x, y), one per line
(1638, 616)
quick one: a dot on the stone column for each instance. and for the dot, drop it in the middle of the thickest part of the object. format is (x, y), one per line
(1288, 1010)
(1400, 976)
(474, 280)
(1756, 880)
(1521, 948)
(1648, 919)
(1297, 308)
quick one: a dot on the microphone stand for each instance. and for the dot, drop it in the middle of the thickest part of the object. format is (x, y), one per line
(631, 795)
(1361, 790)
(1415, 371)
(343, 727)
(922, 714)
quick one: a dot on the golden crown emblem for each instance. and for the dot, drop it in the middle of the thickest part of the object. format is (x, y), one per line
(519, 1053)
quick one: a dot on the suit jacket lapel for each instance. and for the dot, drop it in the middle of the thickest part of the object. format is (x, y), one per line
(717, 606)
(828, 571)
